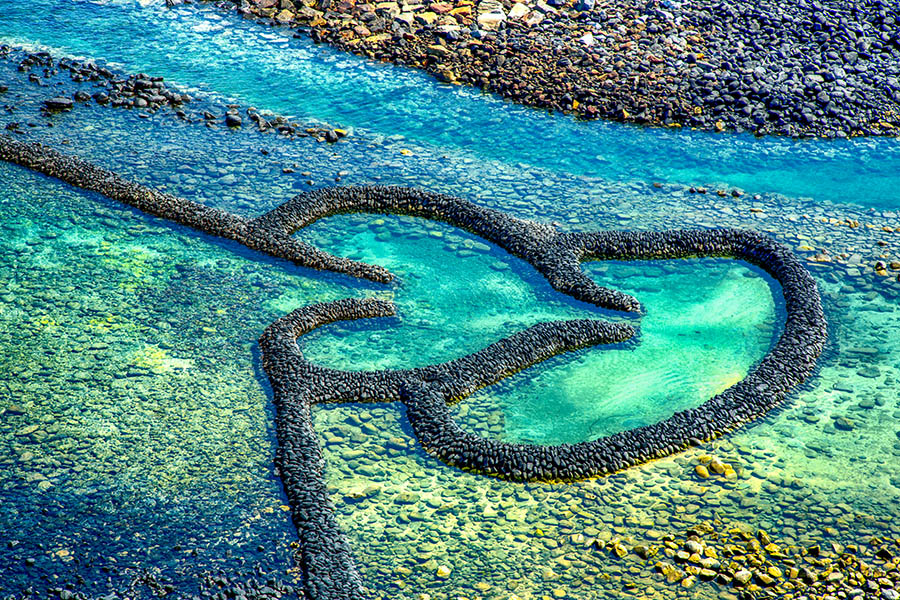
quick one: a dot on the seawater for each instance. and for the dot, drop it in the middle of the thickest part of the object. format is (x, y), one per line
(217, 52)
(137, 425)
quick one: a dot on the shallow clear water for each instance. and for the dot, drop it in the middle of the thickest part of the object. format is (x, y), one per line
(130, 343)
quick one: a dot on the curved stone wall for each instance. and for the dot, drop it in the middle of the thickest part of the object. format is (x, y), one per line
(540, 245)
(325, 556)
(298, 384)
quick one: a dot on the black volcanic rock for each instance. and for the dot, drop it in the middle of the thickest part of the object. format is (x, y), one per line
(59, 103)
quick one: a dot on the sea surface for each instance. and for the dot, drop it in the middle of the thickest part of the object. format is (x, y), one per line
(136, 425)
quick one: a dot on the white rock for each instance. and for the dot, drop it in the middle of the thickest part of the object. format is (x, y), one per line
(534, 18)
(405, 17)
(488, 6)
(518, 11)
(491, 20)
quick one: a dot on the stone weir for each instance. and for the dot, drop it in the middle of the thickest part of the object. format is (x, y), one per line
(325, 556)
(297, 384)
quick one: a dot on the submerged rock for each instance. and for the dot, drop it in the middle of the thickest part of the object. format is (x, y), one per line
(844, 424)
(59, 103)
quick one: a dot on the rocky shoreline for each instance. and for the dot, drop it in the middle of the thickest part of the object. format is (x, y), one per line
(105, 86)
(806, 69)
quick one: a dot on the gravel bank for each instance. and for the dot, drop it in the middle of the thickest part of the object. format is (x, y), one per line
(825, 68)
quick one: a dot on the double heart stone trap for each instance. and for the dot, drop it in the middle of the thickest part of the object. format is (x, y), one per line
(325, 556)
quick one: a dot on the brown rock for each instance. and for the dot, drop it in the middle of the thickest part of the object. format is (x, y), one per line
(437, 50)
(534, 18)
(284, 16)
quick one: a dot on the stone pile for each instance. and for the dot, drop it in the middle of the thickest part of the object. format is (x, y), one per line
(146, 93)
(132, 91)
(759, 566)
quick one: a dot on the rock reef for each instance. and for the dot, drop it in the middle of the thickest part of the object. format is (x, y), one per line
(107, 86)
(325, 556)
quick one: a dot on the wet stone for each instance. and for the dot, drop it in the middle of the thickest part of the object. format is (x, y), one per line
(59, 103)
(843, 424)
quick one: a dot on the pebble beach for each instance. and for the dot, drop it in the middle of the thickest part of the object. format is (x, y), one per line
(802, 69)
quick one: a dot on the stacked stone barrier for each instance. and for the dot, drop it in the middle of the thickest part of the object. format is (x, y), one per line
(325, 556)
(541, 245)
(298, 384)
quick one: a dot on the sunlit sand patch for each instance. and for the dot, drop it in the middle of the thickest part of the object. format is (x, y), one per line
(159, 361)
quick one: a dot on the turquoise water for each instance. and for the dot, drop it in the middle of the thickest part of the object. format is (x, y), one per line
(700, 335)
(116, 349)
(204, 48)
(136, 426)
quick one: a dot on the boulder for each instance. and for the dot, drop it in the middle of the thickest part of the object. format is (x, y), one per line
(437, 50)
(405, 17)
(284, 16)
(426, 18)
(492, 20)
(534, 18)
